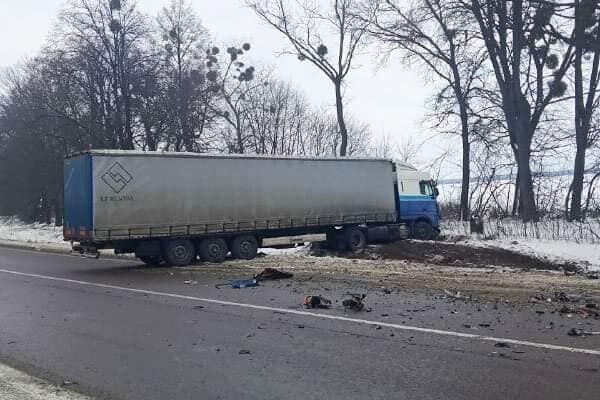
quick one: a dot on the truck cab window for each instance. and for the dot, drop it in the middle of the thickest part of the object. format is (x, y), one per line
(426, 188)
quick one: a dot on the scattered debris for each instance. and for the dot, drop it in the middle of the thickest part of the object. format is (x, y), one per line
(239, 283)
(67, 382)
(300, 326)
(561, 297)
(198, 307)
(272, 274)
(316, 302)
(581, 332)
(244, 352)
(457, 296)
(484, 325)
(437, 259)
(585, 311)
(190, 282)
(377, 326)
(502, 344)
(593, 275)
(355, 302)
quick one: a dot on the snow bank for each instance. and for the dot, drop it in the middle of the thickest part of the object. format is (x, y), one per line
(584, 254)
(14, 229)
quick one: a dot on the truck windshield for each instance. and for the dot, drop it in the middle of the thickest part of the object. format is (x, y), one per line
(426, 188)
(429, 188)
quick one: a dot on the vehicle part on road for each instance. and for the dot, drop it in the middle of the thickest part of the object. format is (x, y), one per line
(355, 303)
(243, 283)
(151, 261)
(244, 247)
(581, 332)
(179, 252)
(356, 240)
(316, 302)
(213, 250)
(239, 283)
(272, 274)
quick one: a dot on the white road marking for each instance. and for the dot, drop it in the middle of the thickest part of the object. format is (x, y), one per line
(315, 315)
(16, 385)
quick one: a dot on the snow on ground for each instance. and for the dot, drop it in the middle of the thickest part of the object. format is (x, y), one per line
(555, 240)
(14, 229)
(585, 254)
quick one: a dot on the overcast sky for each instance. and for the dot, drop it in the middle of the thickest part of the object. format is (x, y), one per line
(391, 100)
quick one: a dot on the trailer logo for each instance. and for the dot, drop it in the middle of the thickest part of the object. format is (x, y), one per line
(117, 177)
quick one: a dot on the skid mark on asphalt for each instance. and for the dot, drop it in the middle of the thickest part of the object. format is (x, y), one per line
(315, 315)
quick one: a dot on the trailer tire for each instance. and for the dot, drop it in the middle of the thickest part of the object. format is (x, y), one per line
(213, 250)
(151, 261)
(356, 240)
(244, 247)
(179, 252)
(423, 230)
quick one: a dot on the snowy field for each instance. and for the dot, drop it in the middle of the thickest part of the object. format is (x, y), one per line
(13, 229)
(555, 240)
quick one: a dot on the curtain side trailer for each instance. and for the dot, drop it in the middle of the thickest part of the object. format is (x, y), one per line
(175, 207)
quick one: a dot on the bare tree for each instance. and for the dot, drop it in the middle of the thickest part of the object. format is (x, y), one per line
(438, 35)
(587, 45)
(304, 25)
(106, 34)
(188, 98)
(517, 37)
(232, 80)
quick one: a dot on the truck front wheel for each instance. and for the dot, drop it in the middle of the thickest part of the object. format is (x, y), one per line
(244, 247)
(179, 252)
(423, 230)
(213, 250)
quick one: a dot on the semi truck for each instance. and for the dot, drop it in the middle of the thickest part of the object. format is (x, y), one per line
(173, 208)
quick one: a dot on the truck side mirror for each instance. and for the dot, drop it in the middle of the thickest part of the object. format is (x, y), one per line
(436, 192)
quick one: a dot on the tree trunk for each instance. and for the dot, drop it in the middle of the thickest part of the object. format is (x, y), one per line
(527, 196)
(577, 185)
(466, 164)
(340, 118)
(515, 206)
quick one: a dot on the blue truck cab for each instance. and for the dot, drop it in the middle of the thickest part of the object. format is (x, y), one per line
(418, 206)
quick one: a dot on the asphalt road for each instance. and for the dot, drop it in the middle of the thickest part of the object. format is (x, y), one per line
(117, 330)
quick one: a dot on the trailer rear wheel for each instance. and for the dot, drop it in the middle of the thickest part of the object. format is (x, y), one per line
(244, 247)
(213, 250)
(151, 261)
(179, 252)
(356, 240)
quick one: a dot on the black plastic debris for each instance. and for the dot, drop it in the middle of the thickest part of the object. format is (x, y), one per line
(272, 274)
(355, 302)
(316, 302)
